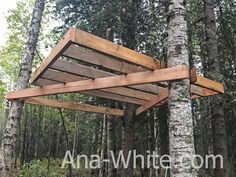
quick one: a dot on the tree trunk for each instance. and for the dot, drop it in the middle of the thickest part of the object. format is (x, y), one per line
(128, 138)
(10, 134)
(111, 145)
(217, 102)
(102, 170)
(181, 138)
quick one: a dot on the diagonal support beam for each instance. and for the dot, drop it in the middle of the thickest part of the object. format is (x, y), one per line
(167, 74)
(160, 97)
(74, 106)
(163, 95)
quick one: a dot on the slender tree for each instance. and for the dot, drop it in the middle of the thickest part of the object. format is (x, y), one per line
(128, 138)
(111, 145)
(217, 102)
(180, 120)
(10, 134)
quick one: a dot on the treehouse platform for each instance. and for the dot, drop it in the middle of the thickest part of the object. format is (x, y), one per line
(87, 64)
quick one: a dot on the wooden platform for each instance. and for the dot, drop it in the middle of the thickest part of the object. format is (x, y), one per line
(84, 63)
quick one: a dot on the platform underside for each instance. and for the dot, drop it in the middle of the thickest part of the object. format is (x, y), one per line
(86, 64)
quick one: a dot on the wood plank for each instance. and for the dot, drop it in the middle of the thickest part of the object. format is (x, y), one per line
(61, 77)
(74, 106)
(208, 92)
(93, 42)
(103, 61)
(62, 45)
(210, 84)
(130, 93)
(111, 96)
(104, 94)
(93, 73)
(163, 95)
(45, 82)
(167, 74)
(197, 90)
(66, 77)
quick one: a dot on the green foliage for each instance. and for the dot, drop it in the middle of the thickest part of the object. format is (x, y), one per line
(39, 168)
(10, 54)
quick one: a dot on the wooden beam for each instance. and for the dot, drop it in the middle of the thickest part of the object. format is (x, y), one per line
(74, 106)
(210, 84)
(112, 96)
(197, 90)
(80, 53)
(167, 74)
(96, 43)
(208, 92)
(62, 45)
(45, 82)
(93, 73)
(118, 94)
(163, 95)
(104, 94)
(63, 77)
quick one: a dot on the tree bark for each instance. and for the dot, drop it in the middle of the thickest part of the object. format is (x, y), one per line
(10, 134)
(216, 102)
(102, 170)
(128, 138)
(181, 139)
(111, 145)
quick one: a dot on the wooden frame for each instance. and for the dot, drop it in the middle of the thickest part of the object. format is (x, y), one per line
(167, 74)
(82, 62)
(93, 42)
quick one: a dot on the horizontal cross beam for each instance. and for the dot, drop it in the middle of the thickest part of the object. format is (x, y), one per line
(74, 106)
(110, 93)
(75, 70)
(209, 84)
(167, 74)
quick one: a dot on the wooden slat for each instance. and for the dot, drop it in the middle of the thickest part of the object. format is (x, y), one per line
(62, 45)
(197, 90)
(130, 93)
(104, 61)
(111, 96)
(173, 73)
(74, 106)
(104, 94)
(45, 82)
(107, 47)
(93, 73)
(208, 92)
(66, 77)
(210, 84)
(160, 97)
(61, 77)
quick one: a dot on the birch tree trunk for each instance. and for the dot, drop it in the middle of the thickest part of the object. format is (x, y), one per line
(10, 134)
(216, 102)
(181, 138)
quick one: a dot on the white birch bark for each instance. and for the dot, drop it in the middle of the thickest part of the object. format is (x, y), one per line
(180, 118)
(10, 133)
